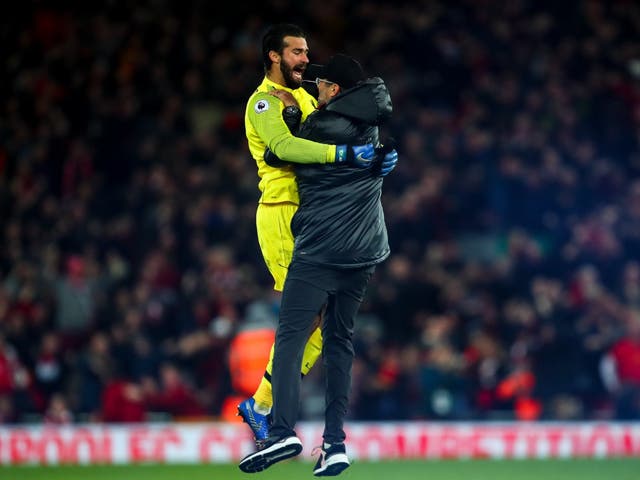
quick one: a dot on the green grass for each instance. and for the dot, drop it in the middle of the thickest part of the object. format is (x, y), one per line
(622, 469)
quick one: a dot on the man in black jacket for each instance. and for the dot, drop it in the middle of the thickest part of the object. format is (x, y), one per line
(340, 236)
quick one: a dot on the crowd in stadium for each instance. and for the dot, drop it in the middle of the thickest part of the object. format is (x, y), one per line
(128, 252)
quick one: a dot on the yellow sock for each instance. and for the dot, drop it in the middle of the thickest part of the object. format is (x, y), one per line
(312, 350)
(263, 396)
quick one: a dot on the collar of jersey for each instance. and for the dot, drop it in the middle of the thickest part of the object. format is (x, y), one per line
(266, 83)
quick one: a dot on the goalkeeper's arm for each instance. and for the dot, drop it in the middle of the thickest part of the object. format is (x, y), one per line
(265, 115)
(360, 156)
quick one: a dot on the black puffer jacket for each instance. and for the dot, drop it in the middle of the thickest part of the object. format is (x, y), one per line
(340, 222)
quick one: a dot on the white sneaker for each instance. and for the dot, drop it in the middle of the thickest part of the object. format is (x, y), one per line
(273, 451)
(332, 461)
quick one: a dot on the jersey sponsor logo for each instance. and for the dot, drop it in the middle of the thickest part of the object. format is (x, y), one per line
(261, 106)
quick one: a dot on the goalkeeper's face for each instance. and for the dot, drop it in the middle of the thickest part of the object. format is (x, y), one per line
(294, 61)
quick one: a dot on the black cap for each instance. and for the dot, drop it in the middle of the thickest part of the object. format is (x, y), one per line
(342, 69)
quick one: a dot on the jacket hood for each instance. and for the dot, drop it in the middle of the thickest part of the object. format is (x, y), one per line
(368, 102)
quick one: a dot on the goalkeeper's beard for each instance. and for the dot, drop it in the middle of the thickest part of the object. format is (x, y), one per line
(289, 81)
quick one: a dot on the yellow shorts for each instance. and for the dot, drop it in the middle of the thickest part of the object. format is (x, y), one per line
(273, 223)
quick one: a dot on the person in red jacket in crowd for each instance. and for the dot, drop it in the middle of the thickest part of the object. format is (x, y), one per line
(620, 370)
(123, 402)
(175, 396)
(16, 384)
(8, 367)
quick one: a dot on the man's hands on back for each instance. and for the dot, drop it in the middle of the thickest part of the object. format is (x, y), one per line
(388, 163)
(366, 156)
(387, 157)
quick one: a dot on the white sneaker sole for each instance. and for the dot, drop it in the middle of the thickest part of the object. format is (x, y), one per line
(263, 459)
(333, 466)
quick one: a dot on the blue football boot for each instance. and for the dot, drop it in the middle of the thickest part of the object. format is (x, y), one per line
(258, 422)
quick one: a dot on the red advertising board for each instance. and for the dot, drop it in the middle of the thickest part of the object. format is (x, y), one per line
(223, 443)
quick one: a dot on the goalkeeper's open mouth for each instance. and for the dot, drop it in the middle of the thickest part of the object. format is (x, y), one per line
(298, 72)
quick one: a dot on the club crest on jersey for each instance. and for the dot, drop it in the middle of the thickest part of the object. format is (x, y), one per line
(261, 106)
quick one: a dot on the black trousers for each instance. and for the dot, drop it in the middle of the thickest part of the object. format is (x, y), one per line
(307, 288)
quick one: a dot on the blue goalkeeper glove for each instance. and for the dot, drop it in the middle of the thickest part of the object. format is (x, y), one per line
(361, 156)
(388, 163)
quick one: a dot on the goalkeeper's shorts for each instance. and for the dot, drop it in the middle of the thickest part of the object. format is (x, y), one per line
(273, 224)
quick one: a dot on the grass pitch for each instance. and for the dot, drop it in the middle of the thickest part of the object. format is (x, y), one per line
(576, 469)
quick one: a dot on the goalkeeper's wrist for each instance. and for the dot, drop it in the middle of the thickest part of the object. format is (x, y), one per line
(342, 153)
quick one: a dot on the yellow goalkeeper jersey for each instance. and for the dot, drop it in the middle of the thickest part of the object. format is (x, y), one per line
(265, 127)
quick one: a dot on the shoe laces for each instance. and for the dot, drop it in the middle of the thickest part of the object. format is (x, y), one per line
(318, 451)
(260, 444)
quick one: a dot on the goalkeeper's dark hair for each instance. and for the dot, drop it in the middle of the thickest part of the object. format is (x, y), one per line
(273, 39)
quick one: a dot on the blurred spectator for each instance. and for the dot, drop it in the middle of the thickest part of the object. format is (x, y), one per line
(174, 395)
(58, 412)
(122, 402)
(9, 368)
(94, 371)
(16, 386)
(74, 292)
(621, 369)
(444, 384)
(49, 368)
(487, 365)
(250, 348)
